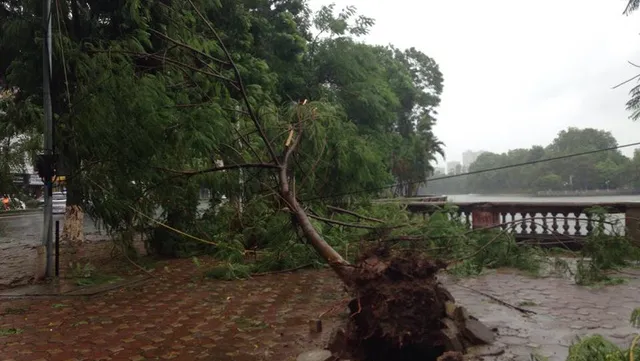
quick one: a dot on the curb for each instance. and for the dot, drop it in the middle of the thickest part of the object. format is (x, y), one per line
(82, 291)
(17, 213)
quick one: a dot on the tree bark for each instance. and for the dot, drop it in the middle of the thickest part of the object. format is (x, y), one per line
(73, 227)
(334, 259)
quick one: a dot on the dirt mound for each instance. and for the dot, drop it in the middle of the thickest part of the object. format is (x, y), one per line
(400, 310)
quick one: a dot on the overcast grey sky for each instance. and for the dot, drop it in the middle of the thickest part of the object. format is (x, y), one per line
(517, 72)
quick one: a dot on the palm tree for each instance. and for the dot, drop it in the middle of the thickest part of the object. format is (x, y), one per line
(632, 6)
(633, 104)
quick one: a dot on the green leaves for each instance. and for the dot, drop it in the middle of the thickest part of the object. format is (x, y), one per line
(326, 22)
(149, 93)
(386, 92)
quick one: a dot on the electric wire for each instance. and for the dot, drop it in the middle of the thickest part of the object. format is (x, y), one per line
(450, 176)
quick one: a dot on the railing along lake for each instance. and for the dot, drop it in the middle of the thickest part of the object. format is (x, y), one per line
(543, 223)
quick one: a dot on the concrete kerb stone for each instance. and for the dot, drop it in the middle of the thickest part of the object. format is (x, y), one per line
(55, 291)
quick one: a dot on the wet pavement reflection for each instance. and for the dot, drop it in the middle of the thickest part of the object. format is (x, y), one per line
(19, 237)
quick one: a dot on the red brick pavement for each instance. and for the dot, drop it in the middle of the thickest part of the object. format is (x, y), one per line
(176, 315)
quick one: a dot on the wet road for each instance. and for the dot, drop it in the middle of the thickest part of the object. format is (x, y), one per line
(19, 237)
(27, 228)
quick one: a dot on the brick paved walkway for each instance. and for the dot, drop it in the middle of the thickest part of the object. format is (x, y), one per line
(179, 316)
(173, 316)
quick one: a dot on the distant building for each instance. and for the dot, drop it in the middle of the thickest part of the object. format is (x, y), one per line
(439, 171)
(454, 167)
(469, 157)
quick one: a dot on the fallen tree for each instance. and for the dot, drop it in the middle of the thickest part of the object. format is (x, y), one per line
(399, 310)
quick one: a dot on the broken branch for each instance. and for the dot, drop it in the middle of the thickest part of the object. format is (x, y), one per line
(341, 210)
(183, 45)
(335, 260)
(496, 299)
(340, 223)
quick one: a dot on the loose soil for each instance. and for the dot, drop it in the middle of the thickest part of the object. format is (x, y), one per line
(398, 306)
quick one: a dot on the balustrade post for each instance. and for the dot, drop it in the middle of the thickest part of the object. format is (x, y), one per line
(484, 217)
(632, 222)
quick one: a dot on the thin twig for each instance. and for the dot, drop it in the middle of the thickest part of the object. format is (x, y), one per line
(124, 253)
(345, 211)
(181, 44)
(282, 271)
(484, 246)
(494, 298)
(171, 61)
(340, 223)
(626, 81)
(336, 305)
(242, 89)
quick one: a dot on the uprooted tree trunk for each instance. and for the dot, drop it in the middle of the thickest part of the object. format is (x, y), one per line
(400, 311)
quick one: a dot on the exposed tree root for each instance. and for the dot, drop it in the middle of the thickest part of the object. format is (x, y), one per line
(402, 312)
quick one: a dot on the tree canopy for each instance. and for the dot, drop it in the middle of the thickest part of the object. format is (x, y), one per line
(598, 170)
(144, 100)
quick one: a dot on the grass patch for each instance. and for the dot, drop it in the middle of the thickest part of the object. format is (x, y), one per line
(10, 331)
(247, 324)
(634, 320)
(87, 275)
(597, 348)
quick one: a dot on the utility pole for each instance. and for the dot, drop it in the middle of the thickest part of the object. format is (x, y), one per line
(47, 232)
(241, 171)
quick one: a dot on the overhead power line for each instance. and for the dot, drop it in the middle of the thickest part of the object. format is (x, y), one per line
(544, 160)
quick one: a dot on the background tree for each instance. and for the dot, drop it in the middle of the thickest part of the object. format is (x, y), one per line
(598, 170)
(390, 94)
(18, 139)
